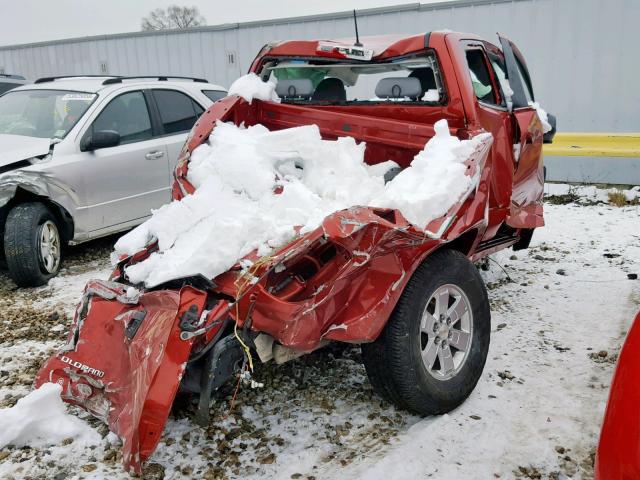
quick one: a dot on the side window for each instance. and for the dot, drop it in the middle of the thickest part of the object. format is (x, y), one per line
(480, 78)
(214, 95)
(526, 81)
(177, 110)
(199, 110)
(5, 87)
(128, 115)
(499, 73)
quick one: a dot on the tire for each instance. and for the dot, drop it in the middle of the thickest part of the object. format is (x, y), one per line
(394, 362)
(24, 246)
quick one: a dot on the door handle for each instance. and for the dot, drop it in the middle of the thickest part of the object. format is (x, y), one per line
(154, 155)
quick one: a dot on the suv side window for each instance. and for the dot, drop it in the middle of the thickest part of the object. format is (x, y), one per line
(215, 95)
(178, 112)
(480, 77)
(128, 115)
(199, 110)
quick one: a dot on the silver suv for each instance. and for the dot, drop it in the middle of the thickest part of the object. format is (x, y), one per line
(85, 157)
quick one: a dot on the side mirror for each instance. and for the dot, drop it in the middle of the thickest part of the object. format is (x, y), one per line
(548, 137)
(100, 139)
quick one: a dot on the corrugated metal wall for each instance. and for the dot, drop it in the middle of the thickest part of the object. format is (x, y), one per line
(582, 53)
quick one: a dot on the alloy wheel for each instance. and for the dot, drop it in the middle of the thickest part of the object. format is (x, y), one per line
(446, 331)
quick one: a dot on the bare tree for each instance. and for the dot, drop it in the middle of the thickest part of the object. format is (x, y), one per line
(173, 17)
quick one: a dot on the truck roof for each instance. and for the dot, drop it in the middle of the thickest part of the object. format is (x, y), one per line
(381, 46)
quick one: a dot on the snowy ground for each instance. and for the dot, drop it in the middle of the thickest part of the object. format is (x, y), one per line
(560, 313)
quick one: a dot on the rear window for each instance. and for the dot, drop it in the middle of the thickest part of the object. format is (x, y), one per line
(414, 80)
(178, 111)
(215, 95)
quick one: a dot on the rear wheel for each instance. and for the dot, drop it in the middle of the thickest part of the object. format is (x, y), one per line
(431, 353)
(32, 244)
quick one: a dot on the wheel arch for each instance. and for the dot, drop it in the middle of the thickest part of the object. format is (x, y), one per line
(463, 243)
(63, 217)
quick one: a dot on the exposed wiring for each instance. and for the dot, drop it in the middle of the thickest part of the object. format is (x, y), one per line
(232, 403)
(244, 281)
(245, 348)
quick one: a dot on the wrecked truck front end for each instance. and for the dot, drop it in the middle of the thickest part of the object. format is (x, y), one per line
(124, 359)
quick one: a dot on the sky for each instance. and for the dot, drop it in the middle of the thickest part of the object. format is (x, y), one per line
(27, 21)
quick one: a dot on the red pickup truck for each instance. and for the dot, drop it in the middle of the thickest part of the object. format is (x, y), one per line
(411, 296)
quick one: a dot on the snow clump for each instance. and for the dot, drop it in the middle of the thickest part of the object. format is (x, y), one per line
(254, 186)
(250, 86)
(544, 118)
(40, 419)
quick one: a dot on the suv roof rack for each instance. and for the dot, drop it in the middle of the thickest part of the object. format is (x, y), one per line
(14, 77)
(162, 78)
(51, 79)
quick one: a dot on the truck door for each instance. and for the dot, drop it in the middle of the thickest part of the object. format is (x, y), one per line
(525, 210)
(493, 116)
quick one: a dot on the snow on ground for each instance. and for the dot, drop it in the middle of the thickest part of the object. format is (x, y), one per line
(557, 326)
(40, 419)
(271, 182)
(587, 194)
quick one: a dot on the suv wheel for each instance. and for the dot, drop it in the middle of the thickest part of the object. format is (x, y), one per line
(431, 353)
(32, 244)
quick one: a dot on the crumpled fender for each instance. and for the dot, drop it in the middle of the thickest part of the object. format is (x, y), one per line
(354, 294)
(41, 183)
(618, 454)
(125, 375)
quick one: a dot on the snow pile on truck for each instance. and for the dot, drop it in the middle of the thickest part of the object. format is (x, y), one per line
(543, 115)
(255, 187)
(250, 86)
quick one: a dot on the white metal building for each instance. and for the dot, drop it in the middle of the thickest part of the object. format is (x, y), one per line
(582, 54)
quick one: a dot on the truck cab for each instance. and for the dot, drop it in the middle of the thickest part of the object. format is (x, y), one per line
(410, 82)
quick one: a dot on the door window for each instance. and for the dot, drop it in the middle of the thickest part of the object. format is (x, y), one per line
(480, 77)
(178, 111)
(128, 115)
(199, 110)
(528, 92)
(517, 74)
(499, 73)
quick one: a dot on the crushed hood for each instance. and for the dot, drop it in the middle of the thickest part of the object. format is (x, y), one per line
(14, 148)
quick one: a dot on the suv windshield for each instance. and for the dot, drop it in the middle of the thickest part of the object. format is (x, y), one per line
(414, 80)
(42, 113)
